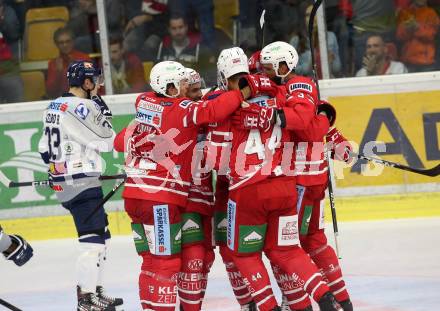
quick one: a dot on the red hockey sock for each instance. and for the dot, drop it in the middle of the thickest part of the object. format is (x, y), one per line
(239, 287)
(207, 264)
(327, 261)
(297, 264)
(157, 283)
(255, 274)
(297, 298)
(190, 277)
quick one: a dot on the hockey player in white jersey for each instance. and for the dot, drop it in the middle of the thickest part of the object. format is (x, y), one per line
(76, 129)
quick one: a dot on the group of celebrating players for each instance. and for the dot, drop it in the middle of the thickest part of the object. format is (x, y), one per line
(263, 134)
(240, 166)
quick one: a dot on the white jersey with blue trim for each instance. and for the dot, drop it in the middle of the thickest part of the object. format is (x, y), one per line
(74, 134)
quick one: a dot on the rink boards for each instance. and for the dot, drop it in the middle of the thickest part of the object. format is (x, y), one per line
(402, 111)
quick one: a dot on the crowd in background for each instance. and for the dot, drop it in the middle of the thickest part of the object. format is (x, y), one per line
(364, 37)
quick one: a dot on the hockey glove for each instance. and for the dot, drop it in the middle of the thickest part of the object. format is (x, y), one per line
(330, 111)
(254, 117)
(105, 110)
(22, 251)
(339, 145)
(259, 85)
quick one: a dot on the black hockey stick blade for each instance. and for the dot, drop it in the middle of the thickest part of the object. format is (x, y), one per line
(105, 199)
(47, 183)
(8, 305)
(432, 172)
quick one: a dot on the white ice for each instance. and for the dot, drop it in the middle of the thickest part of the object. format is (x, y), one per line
(388, 266)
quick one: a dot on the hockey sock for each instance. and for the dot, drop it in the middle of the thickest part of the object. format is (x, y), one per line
(190, 277)
(256, 277)
(157, 286)
(102, 264)
(297, 264)
(207, 264)
(87, 266)
(327, 261)
(295, 296)
(239, 287)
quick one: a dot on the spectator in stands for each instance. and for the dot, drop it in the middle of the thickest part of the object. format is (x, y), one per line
(146, 26)
(11, 85)
(371, 17)
(376, 60)
(417, 27)
(127, 69)
(203, 11)
(84, 23)
(305, 60)
(10, 27)
(56, 82)
(179, 45)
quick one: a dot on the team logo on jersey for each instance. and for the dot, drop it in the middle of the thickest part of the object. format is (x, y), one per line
(149, 117)
(190, 225)
(195, 264)
(57, 106)
(82, 111)
(162, 230)
(150, 106)
(252, 237)
(166, 104)
(263, 101)
(288, 230)
(300, 86)
(185, 103)
(230, 233)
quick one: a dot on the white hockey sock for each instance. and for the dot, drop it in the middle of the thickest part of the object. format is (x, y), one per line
(87, 266)
(102, 264)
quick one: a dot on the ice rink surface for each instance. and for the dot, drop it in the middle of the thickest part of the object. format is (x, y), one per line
(388, 266)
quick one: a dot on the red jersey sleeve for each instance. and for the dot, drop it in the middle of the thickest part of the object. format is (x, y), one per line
(212, 110)
(119, 142)
(300, 107)
(316, 130)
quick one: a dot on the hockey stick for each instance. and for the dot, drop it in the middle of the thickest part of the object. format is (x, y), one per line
(262, 23)
(46, 183)
(8, 305)
(105, 199)
(432, 172)
(331, 193)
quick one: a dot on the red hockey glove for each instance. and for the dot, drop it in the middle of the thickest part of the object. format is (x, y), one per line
(259, 85)
(340, 147)
(330, 111)
(254, 117)
(254, 62)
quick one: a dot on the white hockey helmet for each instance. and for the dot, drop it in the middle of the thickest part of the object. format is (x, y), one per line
(164, 73)
(277, 52)
(230, 62)
(192, 76)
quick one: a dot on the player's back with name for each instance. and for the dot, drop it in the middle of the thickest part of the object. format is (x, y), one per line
(73, 130)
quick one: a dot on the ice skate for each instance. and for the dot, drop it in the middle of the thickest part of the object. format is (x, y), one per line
(90, 302)
(111, 301)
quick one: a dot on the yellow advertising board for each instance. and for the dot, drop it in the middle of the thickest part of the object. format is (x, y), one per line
(408, 125)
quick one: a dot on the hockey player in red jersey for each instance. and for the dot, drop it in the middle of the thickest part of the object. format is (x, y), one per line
(160, 145)
(232, 64)
(197, 245)
(311, 169)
